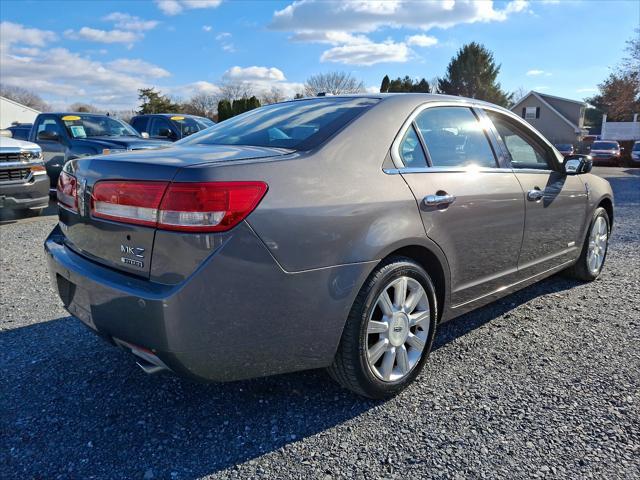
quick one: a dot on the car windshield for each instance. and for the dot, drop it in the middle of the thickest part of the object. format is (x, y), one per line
(190, 125)
(297, 125)
(604, 146)
(636, 147)
(564, 146)
(83, 126)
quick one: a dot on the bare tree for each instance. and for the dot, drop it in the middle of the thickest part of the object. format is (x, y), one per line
(334, 83)
(24, 96)
(518, 94)
(236, 90)
(275, 95)
(83, 107)
(202, 104)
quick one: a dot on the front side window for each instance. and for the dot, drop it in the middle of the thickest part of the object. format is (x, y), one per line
(160, 128)
(83, 126)
(298, 125)
(525, 151)
(454, 137)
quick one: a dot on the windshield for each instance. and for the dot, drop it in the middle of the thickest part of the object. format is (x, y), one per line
(564, 146)
(298, 125)
(83, 126)
(604, 146)
(636, 147)
(190, 125)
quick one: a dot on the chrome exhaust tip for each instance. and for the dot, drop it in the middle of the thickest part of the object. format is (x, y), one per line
(147, 360)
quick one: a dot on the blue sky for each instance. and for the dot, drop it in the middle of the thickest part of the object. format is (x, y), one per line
(101, 52)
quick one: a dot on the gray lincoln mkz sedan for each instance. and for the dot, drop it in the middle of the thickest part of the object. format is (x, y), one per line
(329, 232)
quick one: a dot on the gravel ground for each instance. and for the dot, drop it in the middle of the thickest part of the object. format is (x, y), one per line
(544, 383)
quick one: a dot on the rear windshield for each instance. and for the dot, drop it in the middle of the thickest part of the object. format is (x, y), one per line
(604, 146)
(299, 125)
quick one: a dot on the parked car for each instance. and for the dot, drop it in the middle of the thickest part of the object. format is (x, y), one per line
(65, 136)
(327, 232)
(606, 152)
(565, 149)
(170, 126)
(635, 153)
(24, 185)
(20, 131)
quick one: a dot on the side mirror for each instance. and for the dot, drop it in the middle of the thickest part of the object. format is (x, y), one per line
(144, 135)
(577, 164)
(6, 133)
(48, 135)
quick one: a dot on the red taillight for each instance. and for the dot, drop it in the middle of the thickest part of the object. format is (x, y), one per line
(128, 201)
(66, 192)
(188, 207)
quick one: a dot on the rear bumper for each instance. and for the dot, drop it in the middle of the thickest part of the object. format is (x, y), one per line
(239, 315)
(31, 194)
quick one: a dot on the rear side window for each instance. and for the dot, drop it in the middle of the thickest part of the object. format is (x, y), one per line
(411, 150)
(525, 151)
(299, 125)
(140, 124)
(454, 137)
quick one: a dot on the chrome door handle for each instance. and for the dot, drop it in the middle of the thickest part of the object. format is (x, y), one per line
(435, 200)
(535, 194)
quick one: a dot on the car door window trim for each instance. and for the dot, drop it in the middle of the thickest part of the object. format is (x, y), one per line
(410, 122)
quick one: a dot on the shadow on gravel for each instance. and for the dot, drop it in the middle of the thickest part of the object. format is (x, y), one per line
(73, 407)
(12, 216)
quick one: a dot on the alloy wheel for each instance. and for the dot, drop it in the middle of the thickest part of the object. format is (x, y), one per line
(598, 239)
(398, 329)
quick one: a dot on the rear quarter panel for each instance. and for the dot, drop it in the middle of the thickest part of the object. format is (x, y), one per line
(335, 205)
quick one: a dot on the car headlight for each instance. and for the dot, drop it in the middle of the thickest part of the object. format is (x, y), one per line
(32, 155)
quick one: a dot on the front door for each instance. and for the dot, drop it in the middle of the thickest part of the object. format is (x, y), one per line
(53, 149)
(556, 203)
(472, 208)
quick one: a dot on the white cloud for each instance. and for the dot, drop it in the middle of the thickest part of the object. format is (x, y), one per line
(262, 79)
(224, 39)
(137, 66)
(63, 77)
(344, 24)
(253, 73)
(222, 36)
(362, 16)
(537, 73)
(174, 7)
(16, 33)
(207, 28)
(421, 40)
(103, 36)
(367, 53)
(125, 21)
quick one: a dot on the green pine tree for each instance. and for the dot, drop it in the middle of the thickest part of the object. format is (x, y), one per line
(473, 73)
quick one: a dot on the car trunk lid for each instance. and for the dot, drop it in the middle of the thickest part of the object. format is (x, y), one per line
(123, 245)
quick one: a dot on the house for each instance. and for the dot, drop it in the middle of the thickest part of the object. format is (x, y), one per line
(560, 120)
(12, 112)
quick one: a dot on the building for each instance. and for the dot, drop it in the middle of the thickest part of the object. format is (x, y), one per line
(560, 120)
(11, 111)
(621, 131)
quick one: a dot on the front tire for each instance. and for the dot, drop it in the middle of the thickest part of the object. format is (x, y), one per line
(594, 250)
(389, 332)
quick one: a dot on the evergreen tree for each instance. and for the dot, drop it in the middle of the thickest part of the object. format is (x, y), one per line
(224, 110)
(384, 86)
(155, 102)
(472, 73)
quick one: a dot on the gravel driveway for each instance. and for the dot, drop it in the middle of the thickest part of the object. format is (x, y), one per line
(545, 382)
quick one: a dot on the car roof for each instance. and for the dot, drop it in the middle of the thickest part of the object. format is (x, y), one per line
(410, 99)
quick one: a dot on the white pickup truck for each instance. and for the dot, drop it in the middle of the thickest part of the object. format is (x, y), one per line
(24, 184)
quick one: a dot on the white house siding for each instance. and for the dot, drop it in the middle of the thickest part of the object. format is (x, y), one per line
(11, 111)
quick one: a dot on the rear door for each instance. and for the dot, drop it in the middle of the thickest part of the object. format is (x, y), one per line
(556, 203)
(471, 206)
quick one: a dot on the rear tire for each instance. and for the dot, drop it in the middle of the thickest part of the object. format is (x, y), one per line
(585, 269)
(381, 353)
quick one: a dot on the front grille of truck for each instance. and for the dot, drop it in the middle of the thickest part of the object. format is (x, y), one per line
(14, 174)
(10, 157)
